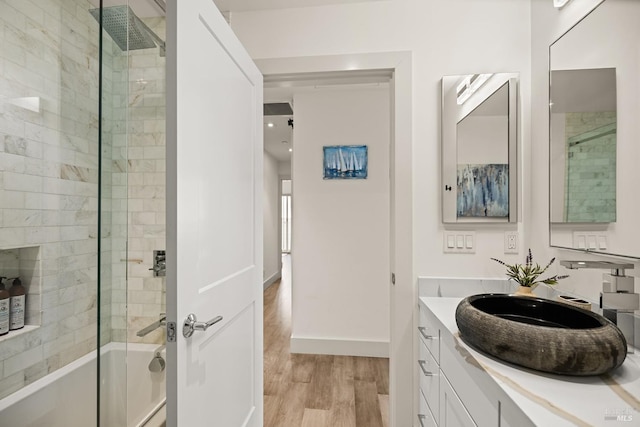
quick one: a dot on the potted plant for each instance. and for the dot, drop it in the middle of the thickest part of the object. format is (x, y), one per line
(527, 275)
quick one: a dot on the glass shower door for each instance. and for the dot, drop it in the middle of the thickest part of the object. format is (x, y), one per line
(133, 119)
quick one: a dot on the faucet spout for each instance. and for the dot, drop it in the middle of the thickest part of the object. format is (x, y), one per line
(618, 299)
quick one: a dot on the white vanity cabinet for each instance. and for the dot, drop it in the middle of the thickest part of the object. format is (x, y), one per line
(450, 391)
(457, 385)
(439, 403)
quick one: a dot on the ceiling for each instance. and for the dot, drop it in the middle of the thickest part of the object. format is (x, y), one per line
(246, 5)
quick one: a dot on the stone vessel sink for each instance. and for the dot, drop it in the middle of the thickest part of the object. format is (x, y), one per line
(541, 334)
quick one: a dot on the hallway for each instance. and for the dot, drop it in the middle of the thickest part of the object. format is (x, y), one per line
(316, 390)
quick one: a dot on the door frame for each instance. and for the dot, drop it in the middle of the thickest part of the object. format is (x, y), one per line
(402, 396)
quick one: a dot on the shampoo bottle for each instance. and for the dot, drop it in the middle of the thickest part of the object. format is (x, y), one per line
(17, 292)
(4, 308)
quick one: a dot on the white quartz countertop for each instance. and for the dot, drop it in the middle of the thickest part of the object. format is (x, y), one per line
(554, 400)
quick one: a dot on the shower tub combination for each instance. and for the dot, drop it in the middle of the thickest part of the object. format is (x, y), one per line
(68, 396)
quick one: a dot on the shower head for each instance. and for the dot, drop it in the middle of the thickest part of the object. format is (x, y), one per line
(126, 29)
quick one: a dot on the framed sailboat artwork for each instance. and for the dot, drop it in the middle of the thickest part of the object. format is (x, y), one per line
(345, 162)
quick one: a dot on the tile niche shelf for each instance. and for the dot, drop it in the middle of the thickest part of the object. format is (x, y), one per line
(25, 263)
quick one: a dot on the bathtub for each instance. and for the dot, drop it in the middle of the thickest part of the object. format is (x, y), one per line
(130, 395)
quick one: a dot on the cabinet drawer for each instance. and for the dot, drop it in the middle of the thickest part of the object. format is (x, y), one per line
(425, 417)
(452, 411)
(429, 373)
(429, 332)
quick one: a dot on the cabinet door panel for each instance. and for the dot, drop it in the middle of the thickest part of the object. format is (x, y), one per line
(452, 411)
(425, 417)
(470, 383)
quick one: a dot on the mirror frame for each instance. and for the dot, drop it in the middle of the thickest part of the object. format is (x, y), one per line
(449, 147)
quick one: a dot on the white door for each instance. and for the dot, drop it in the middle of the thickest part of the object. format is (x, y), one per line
(214, 222)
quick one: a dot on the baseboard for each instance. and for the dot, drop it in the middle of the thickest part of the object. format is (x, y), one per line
(271, 280)
(339, 347)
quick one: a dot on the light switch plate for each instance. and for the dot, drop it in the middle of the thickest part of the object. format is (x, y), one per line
(590, 240)
(459, 242)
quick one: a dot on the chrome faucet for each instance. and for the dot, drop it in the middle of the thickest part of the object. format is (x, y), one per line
(617, 296)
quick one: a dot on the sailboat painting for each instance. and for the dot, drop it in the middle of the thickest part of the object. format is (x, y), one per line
(483, 190)
(345, 162)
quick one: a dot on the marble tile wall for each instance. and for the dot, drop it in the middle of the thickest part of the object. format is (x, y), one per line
(591, 178)
(48, 177)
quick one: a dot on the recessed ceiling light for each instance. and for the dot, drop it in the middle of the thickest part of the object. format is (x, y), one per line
(270, 125)
(290, 150)
(559, 3)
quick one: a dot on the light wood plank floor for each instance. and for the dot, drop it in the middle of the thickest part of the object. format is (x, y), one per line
(317, 390)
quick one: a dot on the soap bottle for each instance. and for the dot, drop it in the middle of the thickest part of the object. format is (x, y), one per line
(17, 292)
(4, 308)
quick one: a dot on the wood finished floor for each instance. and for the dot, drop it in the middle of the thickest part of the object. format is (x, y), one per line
(317, 390)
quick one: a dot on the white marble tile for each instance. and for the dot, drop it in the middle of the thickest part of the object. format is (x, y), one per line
(36, 235)
(14, 199)
(23, 218)
(12, 237)
(10, 384)
(21, 182)
(23, 360)
(12, 163)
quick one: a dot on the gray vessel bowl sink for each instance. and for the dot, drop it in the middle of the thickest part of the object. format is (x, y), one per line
(541, 334)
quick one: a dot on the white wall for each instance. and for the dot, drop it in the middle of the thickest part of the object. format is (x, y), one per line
(340, 248)
(271, 235)
(446, 38)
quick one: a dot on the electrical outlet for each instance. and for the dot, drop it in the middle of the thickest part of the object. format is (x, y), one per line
(511, 244)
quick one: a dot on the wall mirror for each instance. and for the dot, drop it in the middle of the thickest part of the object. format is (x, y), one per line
(594, 105)
(479, 140)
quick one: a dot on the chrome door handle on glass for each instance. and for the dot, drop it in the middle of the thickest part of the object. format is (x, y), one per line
(191, 324)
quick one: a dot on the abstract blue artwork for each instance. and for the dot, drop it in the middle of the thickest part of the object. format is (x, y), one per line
(345, 162)
(483, 190)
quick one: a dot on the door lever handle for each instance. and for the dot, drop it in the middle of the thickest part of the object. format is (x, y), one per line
(191, 324)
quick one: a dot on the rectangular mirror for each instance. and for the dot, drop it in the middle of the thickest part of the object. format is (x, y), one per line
(594, 93)
(583, 145)
(479, 140)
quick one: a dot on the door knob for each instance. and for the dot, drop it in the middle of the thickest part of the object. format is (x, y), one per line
(191, 324)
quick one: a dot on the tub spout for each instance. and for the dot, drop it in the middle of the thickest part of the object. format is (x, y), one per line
(152, 327)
